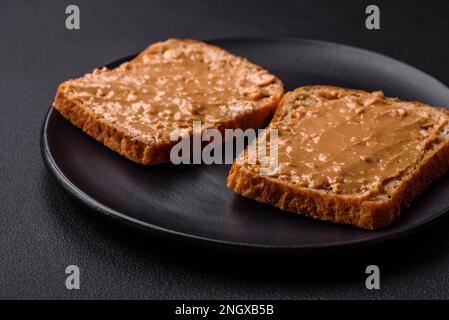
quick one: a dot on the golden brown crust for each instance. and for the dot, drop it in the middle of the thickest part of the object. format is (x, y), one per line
(338, 208)
(136, 148)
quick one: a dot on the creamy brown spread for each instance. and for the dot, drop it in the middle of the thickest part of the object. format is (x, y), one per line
(351, 144)
(171, 84)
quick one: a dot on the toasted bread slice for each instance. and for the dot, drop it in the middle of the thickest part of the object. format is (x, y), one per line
(347, 156)
(133, 108)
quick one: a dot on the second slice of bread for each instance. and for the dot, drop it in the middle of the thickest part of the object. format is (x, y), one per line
(348, 156)
(134, 108)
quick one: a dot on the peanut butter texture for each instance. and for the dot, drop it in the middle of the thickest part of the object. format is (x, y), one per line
(171, 84)
(351, 144)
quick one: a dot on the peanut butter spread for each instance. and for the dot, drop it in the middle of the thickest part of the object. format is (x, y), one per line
(352, 143)
(170, 84)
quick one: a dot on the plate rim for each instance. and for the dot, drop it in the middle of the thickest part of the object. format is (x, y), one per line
(97, 206)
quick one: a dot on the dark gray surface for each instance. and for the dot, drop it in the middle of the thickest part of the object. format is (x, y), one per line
(42, 230)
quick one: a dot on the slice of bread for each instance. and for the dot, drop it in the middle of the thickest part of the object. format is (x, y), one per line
(133, 108)
(347, 156)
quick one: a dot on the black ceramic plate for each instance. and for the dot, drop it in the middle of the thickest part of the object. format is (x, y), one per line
(193, 202)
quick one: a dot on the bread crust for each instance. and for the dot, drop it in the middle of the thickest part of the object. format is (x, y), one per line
(347, 209)
(136, 148)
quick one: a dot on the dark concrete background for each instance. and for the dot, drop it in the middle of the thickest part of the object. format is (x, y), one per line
(42, 230)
